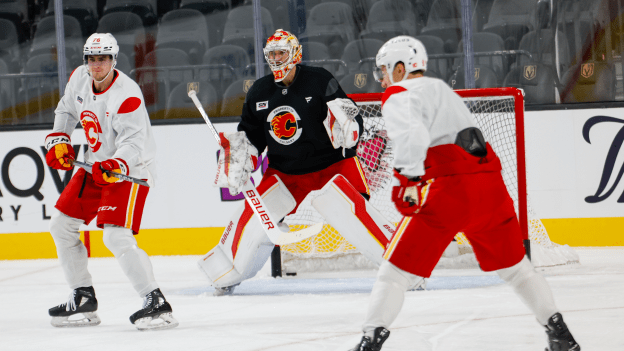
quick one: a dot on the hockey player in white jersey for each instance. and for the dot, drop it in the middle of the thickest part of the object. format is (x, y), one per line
(111, 109)
(447, 180)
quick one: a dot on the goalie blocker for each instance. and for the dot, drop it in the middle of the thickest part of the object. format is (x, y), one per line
(244, 247)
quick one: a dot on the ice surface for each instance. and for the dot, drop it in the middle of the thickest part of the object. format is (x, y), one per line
(462, 310)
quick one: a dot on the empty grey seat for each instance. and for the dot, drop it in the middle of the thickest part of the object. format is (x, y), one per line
(184, 29)
(180, 105)
(487, 42)
(157, 84)
(389, 18)
(9, 50)
(206, 6)
(541, 45)
(511, 19)
(360, 82)
(127, 28)
(146, 9)
(317, 55)
(17, 12)
(590, 81)
(332, 24)
(45, 38)
(230, 56)
(239, 28)
(361, 49)
(435, 46)
(537, 80)
(123, 63)
(234, 97)
(485, 77)
(444, 21)
(85, 11)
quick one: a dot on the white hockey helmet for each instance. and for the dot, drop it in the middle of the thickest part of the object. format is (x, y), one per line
(101, 44)
(408, 50)
(282, 41)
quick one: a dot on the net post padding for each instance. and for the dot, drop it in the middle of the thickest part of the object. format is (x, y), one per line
(499, 112)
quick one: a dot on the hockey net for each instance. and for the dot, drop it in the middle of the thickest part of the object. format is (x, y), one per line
(499, 112)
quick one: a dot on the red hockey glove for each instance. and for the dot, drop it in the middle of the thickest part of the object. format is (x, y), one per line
(60, 151)
(101, 178)
(406, 195)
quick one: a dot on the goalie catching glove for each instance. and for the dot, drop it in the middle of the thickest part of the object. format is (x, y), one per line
(409, 195)
(60, 152)
(237, 159)
(340, 124)
(101, 178)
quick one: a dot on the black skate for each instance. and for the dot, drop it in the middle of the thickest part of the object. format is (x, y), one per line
(559, 337)
(381, 334)
(155, 309)
(81, 304)
(224, 291)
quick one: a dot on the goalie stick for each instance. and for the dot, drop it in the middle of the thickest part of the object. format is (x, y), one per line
(267, 220)
(87, 167)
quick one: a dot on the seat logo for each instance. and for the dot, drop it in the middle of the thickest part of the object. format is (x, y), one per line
(284, 123)
(477, 71)
(587, 70)
(360, 80)
(530, 72)
(247, 84)
(192, 86)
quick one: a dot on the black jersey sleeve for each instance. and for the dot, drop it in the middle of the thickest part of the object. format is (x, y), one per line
(334, 91)
(252, 126)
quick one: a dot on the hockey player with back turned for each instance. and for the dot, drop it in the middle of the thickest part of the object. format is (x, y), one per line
(447, 180)
(311, 130)
(110, 107)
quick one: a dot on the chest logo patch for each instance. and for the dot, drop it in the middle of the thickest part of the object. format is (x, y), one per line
(92, 128)
(285, 128)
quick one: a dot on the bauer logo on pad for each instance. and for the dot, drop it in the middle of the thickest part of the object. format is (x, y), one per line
(262, 105)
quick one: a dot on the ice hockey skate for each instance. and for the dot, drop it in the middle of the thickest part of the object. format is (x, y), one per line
(366, 344)
(559, 337)
(225, 291)
(155, 314)
(80, 307)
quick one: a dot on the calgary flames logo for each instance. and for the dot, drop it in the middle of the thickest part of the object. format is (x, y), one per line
(284, 122)
(92, 129)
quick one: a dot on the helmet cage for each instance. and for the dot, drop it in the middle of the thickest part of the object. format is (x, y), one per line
(288, 43)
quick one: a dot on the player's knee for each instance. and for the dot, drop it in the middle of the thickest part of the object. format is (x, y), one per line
(394, 275)
(517, 273)
(118, 239)
(64, 230)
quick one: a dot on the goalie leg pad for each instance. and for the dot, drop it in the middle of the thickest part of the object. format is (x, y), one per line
(244, 247)
(355, 218)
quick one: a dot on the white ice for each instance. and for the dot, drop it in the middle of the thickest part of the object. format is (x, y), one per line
(462, 310)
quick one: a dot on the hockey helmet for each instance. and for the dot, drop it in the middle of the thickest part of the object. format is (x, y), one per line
(408, 50)
(288, 44)
(101, 44)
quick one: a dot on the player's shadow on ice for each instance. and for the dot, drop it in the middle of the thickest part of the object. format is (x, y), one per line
(336, 286)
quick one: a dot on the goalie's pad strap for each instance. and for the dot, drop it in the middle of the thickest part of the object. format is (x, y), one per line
(354, 217)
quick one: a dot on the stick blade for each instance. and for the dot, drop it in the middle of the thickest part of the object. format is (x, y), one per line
(299, 235)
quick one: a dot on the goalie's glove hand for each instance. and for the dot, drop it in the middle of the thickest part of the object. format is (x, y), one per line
(237, 159)
(60, 152)
(100, 175)
(340, 124)
(407, 194)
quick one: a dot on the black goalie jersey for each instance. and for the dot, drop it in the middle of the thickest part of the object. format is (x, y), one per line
(289, 120)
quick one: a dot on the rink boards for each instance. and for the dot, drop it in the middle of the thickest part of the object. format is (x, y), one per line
(573, 160)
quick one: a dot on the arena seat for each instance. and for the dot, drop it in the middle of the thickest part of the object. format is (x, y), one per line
(590, 81)
(123, 63)
(487, 42)
(511, 19)
(180, 105)
(186, 30)
(360, 82)
(239, 28)
(17, 12)
(206, 6)
(444, 21)
(9, 50)
(45, 39)
(85, 11)
(389, 18)
(128, 30)
(435, 46)
(536, 79)
(146, 9)
(358, 50)
(230, 55)
(485, 77)
(332, 24)
(157, 84)
(234, 97)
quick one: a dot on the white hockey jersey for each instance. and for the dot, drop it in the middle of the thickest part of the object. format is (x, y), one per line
(422, 113)
(115, 122)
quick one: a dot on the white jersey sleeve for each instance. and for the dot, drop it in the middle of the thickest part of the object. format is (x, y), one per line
(422, 113)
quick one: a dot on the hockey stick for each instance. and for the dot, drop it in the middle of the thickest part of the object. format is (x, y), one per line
(87, 167)
(267, 220)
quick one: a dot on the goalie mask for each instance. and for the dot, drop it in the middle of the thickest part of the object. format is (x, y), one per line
(101, 44)
(410, 51)
(282, 52)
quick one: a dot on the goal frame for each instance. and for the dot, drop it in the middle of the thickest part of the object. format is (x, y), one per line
(518, 96)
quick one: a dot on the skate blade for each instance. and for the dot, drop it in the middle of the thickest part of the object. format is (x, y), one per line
(160, 322)
(89, 319)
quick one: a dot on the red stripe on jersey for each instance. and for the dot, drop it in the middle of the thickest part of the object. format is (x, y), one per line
(130, 105)
(392, 90)
(360, 208)
(68, 81)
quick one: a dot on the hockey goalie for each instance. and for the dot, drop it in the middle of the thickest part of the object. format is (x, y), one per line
(310, 129)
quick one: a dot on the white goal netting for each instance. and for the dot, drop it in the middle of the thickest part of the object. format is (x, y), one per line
(496, 117)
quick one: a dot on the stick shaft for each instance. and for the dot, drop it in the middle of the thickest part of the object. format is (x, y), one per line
(87, 167)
